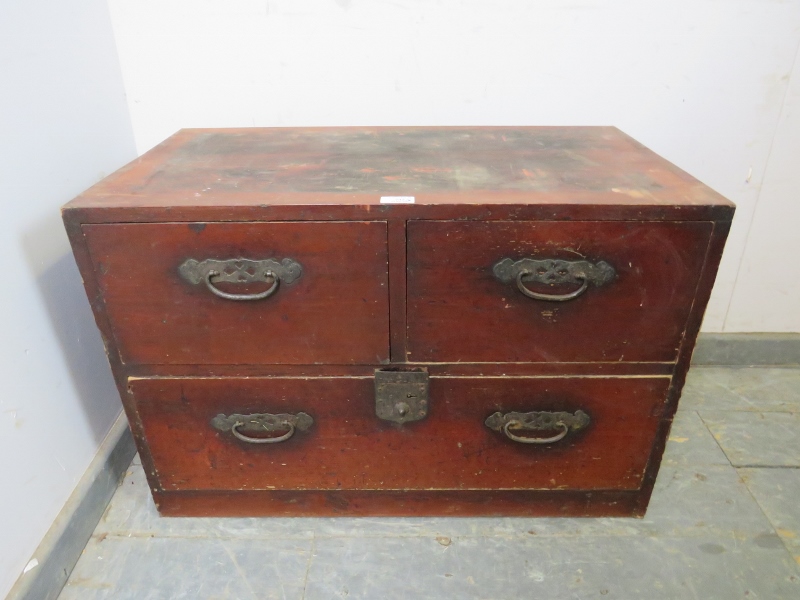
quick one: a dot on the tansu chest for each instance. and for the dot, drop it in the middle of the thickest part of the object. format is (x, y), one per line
(399, 321)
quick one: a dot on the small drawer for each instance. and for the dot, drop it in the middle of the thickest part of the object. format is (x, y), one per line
(244, 293)
(582, 433)
(524, 291)
(548, 433)
(195, 445)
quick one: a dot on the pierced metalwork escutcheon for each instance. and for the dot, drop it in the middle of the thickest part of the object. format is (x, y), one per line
(563, 422)
(551, 272)
(242, 425)
(242, 271)
(401, 396)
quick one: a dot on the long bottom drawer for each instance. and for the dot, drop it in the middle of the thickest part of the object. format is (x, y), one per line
(517, 433)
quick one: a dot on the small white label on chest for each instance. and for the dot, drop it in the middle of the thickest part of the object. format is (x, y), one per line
(397, 199)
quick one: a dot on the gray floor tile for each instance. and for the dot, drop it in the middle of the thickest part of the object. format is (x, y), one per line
(574, 567)
(691, 443)
(703, 499)
(134, 568)
(744, 388)
(132, 511)
(756, 439)
(778, 493)
(688, 500)
(685, 502)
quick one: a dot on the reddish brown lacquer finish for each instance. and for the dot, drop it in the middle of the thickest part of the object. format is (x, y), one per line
(459, 311)
(400, 286)
(349, 448)
(336, 312)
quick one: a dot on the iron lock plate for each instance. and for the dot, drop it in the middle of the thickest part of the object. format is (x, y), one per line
(401, 396)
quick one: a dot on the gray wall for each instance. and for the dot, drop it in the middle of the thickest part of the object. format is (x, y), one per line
(64, 125)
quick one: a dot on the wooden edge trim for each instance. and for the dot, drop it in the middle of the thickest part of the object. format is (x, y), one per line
(80, 250)
(456, 503)
(705, 284)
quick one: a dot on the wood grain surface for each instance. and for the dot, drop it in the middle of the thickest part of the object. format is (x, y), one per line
(358, 165)
(459, 311)
(337, 312)
(349, 448)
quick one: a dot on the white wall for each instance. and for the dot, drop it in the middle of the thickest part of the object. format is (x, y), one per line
(702, 82)
(767, 292)
(64, 124)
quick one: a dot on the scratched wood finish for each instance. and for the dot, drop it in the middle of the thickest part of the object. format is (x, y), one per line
(349, 448)
(357, 165)
(459, 311)
(484, 177)
(470, 206)
(336, 312)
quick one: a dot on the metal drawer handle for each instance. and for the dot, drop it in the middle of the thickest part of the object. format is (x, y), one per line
(550, 297)
(218, 292)
(256, 423)
(242, 271)
(550, 272)
(538, 421)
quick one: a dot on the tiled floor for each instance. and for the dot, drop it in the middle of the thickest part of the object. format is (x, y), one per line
(724, 522)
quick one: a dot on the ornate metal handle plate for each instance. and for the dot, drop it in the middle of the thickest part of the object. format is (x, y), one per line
(551, 271)
(563, 422)
(241, 425)
(241, 270)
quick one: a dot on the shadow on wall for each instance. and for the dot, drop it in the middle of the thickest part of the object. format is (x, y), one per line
(71, 318)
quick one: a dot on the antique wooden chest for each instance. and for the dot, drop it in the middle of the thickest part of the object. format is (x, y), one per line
(399, 321)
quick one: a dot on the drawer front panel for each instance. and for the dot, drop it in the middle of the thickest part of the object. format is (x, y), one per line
(622, 291)
(342, 445)
(177, 293)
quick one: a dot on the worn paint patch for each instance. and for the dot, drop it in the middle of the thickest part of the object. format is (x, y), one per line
(679, 440)
(768, 540)
(537, 576)
(712, 548)
(444, 541)
(633, 193)
(32, 564)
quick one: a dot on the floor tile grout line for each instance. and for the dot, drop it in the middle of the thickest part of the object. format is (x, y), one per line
(432, 537)
(308, 563)
(723, 449)
(749, 491)
(242, 576)
(766, 466)
(774, 527)
(739, 366)
(713, 437)
(750, 411)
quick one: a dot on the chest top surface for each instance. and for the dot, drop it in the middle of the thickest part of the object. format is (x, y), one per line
(359, 165)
